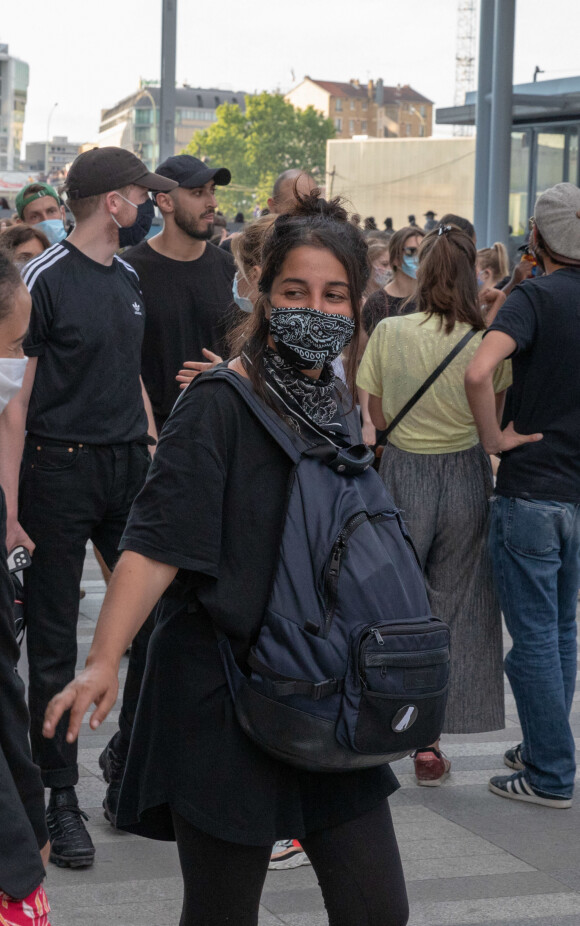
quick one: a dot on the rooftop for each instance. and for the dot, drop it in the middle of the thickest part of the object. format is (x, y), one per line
(196, 97)
(399, 94)
(541, 101)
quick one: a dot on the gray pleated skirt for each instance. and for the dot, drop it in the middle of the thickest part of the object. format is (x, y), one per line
(444, 502)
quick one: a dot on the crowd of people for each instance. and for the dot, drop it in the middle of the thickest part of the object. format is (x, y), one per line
(460, 373)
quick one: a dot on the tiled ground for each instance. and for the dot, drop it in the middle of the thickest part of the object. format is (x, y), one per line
(470, 857)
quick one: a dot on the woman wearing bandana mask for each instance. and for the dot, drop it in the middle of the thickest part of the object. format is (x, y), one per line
(24, 837)
(213, 509)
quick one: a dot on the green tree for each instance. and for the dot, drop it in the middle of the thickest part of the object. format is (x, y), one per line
(257, 145)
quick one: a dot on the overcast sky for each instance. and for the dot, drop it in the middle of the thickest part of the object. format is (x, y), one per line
(86, 55)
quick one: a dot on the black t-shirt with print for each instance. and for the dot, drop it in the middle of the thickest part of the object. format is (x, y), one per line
(213, 506)
(542, 315)
(189, 306)
(86, 329)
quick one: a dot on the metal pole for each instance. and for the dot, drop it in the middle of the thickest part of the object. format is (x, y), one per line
(532, 168)
(167, 92)
(48, 121)
(483, 120)
(501, 121)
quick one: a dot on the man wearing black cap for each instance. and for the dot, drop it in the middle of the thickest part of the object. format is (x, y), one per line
(83, 410)
(430, 223)
(186, 281)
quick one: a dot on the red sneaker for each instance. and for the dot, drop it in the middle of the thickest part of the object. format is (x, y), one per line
(431, 766)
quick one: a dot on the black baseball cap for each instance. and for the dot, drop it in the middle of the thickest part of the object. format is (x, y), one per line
(102, 170)
(190, 172)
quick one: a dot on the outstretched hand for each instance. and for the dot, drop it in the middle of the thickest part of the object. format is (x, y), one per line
(511, 439)
(96, 684)
(192, 368)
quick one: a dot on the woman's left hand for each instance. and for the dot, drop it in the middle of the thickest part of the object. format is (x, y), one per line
(192, 368)
(369, 433)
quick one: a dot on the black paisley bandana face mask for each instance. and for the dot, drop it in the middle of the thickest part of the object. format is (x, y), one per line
(307, 338)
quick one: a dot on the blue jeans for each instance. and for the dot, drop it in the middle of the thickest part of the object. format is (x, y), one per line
(535, 550)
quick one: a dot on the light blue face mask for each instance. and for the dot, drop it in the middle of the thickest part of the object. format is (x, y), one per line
(409, 266)
(242, 302)
(53, 229)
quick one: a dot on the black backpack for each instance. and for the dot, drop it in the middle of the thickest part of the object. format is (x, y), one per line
(349, 669)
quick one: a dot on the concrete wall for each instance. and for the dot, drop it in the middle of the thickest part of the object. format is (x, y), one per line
(398, 176)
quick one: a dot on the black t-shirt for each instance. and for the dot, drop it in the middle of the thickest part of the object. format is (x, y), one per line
(213, 506)
(543, 317)
(86, 329)
(381, 305)
(189, 306)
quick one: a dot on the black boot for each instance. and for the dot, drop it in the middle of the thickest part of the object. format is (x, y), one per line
(70, 844)
(112, 762)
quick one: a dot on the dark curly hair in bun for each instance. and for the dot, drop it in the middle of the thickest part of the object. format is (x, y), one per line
(315, 223)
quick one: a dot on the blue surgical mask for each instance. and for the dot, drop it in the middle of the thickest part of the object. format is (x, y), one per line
(135, 233)
(242, 302)
(53, 229)
(409, 266)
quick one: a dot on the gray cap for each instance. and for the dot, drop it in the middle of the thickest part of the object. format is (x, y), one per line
(557, 215)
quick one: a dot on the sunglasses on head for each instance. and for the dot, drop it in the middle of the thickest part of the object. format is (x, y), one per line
(410, 252)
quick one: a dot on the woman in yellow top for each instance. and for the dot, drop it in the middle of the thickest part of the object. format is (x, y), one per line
(440, 476)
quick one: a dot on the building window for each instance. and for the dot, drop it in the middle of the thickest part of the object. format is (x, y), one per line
(352, 104)
(423, 110)
(421, 131)
(338, 125)
(144, 116)
(363, 125)
(408, 128)
(365, 104)
(351, 126)
(338, 105)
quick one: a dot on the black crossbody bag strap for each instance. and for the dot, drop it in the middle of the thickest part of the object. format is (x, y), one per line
(382, 435)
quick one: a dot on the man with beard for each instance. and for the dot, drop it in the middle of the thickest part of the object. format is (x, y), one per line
(186, 281)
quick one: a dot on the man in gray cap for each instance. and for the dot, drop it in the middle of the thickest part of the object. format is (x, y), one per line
(77, 436)
(535, 519)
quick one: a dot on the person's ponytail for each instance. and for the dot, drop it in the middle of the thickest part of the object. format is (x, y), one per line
(446, 280)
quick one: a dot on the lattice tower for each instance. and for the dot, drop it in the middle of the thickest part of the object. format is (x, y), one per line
(465, 56)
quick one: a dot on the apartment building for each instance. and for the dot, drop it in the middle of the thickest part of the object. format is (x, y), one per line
(133, 122)
(372, 109)
(14, 76)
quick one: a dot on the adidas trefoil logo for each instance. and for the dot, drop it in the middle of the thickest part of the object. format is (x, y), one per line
(137, 308)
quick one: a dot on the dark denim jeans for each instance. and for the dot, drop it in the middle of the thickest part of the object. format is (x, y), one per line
(535, 550)
(69, 494)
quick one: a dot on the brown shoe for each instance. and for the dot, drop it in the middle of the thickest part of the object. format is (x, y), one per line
(431, 766)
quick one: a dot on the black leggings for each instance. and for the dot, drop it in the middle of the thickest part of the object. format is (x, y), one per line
(357, 865)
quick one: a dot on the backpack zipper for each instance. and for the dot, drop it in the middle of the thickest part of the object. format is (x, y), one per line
(332, 574)
(428, 621)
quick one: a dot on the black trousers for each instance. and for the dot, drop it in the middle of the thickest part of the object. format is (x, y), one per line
(69, 494)
(357, 865)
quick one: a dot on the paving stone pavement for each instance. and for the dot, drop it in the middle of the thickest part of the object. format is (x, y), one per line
(470, 858)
